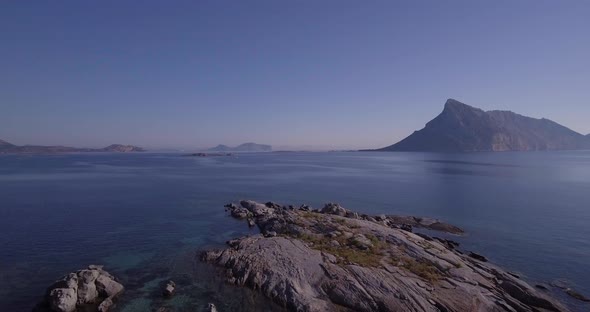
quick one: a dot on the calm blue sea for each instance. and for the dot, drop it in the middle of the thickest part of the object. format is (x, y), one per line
(145, 215)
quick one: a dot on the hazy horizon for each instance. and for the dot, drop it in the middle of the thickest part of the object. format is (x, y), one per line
(300, 75)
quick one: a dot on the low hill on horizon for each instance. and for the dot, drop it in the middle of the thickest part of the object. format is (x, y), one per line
(463, 128)
(8, 148)
(246, 147)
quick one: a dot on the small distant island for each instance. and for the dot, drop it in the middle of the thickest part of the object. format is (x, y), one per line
(9, 148)
(246, 147)
(463, 128)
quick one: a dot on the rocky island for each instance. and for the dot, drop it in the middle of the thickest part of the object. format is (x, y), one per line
(334, 259)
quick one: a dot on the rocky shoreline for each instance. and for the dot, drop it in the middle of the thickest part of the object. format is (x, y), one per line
(334, 259)
(329, 259)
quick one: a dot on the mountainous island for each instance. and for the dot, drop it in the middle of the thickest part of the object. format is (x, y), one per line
(246, 147)
(463, 128)
(8, 148)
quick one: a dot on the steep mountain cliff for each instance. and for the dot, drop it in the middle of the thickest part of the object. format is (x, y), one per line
(462, 128)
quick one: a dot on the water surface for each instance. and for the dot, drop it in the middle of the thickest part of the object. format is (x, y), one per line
(145, 215)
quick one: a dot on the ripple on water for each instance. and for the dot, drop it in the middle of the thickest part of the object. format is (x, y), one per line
(138, 305)
(127, 260)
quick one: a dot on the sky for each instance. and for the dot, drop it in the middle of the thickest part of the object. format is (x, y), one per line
(293, 74)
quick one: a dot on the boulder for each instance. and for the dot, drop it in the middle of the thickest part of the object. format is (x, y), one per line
(105, 305)
(107, 287)
(169, 289)
(87, 292)
(92, 285)
(63, 299)
(334, 209)
(210, 308)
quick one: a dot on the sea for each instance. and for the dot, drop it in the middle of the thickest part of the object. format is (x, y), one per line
(147, 216)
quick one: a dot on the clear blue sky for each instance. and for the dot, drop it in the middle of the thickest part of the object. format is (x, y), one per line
(324, 74)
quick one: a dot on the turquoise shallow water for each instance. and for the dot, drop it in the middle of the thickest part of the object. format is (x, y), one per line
(145, 215)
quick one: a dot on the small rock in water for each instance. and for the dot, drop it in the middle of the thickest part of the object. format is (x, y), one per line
(210, 308)
(88, 286)
(170, 289)
(478, 257)
(541, 286)
(576, 295)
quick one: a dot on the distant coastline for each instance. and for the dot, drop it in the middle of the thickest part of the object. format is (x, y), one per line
(9, 148)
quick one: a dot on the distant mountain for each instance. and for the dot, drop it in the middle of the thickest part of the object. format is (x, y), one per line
(246, 147)
(462, 128)
(4, 144)
(7, 148)
(123, 148)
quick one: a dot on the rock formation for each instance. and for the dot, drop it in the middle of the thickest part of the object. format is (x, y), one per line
(91, 289)
(336, 260)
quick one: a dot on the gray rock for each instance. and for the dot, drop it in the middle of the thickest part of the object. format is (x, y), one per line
(63, 299)
(105, 305)
(362, 242)
(87, 292)
(107, 287)
(334, 209)
(89, 286)
(210, 308)
(169, 289)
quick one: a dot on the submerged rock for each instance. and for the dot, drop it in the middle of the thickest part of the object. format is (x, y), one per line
(91, 286)
(576, 295)
(326, 262)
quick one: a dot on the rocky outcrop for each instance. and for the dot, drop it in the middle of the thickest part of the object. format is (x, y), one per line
(462, 128)
(326, 261)
(89, 289)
